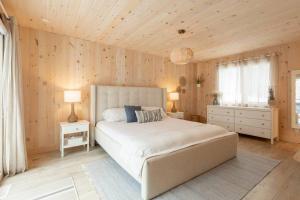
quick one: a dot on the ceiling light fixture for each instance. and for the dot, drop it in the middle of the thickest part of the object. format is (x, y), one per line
(183, 55)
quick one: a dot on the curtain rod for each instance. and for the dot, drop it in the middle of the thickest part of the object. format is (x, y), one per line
(3, 9)
(245, 59)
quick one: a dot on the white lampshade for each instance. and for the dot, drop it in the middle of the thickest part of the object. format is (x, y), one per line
(72, 96)
(174, 96)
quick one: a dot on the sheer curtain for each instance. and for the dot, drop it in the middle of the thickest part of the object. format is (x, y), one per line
(12, 133)
(247, 82)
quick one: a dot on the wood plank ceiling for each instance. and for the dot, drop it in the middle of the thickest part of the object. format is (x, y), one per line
(215, 28)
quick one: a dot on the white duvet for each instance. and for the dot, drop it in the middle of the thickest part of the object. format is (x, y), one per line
(140, 141)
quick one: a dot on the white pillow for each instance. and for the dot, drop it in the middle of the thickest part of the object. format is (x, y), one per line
(114, 115)
(163, 113)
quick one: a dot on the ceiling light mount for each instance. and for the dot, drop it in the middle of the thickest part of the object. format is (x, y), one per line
(181, 31)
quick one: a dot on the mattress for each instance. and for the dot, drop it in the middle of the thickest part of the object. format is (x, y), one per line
(133, 143)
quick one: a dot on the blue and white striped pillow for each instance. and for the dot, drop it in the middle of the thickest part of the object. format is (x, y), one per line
(148, 116)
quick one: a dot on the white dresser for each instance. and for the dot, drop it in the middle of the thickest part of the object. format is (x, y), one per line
(260, 122)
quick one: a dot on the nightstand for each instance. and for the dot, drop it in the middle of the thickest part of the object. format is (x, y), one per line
(177, 115)
(74, 134)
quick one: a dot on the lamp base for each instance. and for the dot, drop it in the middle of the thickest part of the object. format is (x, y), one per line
(173, 110)
(72, 117)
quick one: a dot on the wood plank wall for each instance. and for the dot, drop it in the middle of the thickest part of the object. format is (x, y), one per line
(289, 59)
(53, 63)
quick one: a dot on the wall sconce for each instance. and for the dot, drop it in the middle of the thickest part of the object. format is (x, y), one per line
(199, 81)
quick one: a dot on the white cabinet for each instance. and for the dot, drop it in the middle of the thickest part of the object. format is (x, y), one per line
(81, 138)
(260, 122)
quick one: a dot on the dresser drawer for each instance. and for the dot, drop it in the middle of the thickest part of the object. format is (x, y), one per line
(75, 129)
(253, 114)
(220, 111)
(220, 118)
(254, 122)
(228, 126)
(249, 130)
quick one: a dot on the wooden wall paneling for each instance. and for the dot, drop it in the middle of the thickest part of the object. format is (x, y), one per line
(53, 63)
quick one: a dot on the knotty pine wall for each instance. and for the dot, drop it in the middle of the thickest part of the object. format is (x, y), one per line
(289, 59)
(53, 63)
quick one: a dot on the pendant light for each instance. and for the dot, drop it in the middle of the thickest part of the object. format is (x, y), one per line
(183, 55)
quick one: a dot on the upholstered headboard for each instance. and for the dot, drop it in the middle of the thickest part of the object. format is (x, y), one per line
(103, 97)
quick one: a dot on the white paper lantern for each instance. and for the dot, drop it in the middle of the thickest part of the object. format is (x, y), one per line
(181, 56)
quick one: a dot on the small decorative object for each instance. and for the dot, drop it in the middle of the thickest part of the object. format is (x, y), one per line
(174, 96)
(182, 81)
(216, 95)
(72, 96)
(199, 81)
(271, 99)
(181, 56)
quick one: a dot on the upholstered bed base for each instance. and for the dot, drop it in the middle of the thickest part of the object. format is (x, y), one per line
(162, 173)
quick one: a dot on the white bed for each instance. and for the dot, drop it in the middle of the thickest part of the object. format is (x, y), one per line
(159, 155)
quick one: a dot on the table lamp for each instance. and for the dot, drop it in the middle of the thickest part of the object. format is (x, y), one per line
(174, 96)
(72, 96)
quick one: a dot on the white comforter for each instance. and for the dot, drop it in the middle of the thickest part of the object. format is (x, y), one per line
(141, 141)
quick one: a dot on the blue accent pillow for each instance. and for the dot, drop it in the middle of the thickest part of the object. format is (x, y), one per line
(130, 113)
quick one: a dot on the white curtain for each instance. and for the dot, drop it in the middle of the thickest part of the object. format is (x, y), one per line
(247, 82)
(12, 133)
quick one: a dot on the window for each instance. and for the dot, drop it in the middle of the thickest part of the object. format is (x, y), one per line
(245, 82)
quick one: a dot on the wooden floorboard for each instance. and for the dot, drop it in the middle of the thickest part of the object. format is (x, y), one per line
(283, 183)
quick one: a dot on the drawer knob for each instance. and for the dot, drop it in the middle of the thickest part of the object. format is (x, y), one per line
(262, 115)
(262, 123)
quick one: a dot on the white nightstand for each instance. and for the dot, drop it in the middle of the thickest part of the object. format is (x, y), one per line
(178, 115)
(74, 134)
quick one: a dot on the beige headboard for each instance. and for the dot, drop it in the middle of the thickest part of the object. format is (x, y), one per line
(103, 97)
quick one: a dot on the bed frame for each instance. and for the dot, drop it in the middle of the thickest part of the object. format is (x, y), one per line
(163, 172)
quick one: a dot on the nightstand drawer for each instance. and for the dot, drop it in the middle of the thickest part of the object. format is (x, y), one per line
(178, 115)
(75, 129)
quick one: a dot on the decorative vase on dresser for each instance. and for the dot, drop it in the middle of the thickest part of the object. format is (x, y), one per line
(255, 121)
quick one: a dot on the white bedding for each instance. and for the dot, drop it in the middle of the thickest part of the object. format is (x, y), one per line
(141, 141)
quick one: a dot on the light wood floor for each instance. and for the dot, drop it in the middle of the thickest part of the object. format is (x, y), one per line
(283, 183)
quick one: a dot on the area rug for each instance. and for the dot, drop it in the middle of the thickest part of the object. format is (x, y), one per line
(55, 190)
(230, 181)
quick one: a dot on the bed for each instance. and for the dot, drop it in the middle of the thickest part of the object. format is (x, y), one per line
(159, 155)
